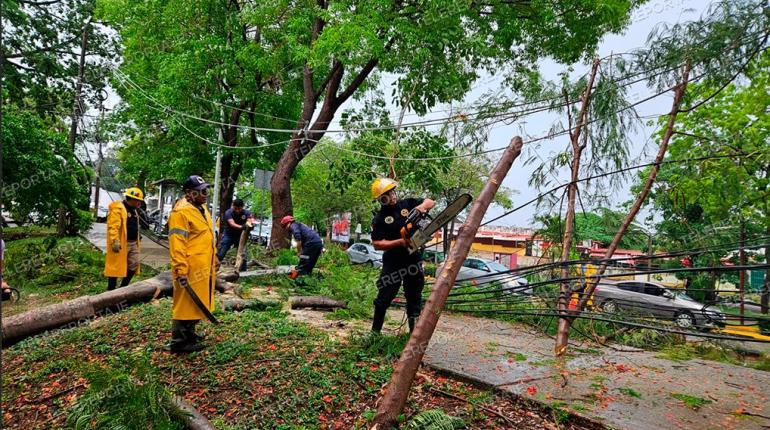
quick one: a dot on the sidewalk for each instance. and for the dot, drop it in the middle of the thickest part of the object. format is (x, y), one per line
(624, 388)
(151, 253)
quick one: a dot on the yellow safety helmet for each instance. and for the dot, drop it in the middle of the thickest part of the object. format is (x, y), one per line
(134, 193)
(381, 186)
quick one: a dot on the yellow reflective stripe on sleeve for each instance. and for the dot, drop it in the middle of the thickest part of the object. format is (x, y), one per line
(178, 231)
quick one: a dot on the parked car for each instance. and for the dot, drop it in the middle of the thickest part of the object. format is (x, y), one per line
(263, 237)
(655, 300)
(490, 271)
(364, 253)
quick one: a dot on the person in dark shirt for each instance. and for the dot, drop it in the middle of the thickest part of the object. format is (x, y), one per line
(236, 220)
(398, 266)
(309, 245)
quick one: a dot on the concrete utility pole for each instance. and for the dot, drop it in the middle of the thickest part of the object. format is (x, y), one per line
(394, 399)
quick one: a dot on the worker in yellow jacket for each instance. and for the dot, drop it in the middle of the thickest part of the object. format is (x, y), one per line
(122, 259)
(193, 261)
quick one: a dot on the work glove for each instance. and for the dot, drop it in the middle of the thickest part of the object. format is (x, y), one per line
(115, 246)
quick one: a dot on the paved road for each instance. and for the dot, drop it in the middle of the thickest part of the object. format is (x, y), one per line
(152, 254)
(625, 389)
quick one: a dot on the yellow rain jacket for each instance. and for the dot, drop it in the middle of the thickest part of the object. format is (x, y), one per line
(191, 246)
(116, 263)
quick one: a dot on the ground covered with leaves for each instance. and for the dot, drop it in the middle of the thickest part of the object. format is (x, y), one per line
(260, 370)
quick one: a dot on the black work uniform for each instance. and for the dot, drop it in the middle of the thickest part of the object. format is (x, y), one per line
(397, 264)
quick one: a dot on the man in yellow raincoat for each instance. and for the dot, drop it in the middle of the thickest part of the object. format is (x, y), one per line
(193, 261)
(122, 259)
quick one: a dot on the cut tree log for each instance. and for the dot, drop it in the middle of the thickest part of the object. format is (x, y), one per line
(228, 276)
(237, 304)
(397, 390)
(319, 302)
(195, 420)
(241, 249)
(82, 310)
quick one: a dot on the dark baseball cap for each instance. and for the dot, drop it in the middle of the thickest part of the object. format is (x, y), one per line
(195, 182)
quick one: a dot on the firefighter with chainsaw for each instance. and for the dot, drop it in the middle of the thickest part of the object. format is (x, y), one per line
(193, 265)
(392, 227)
(122, 260)
(309, 246)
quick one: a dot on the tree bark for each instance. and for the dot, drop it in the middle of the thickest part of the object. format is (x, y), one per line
(562, 333)
(397, 390)
(229, 173)
(323, 302)
(195, 420)
(306, 136)
(241, 249)
(634, 210)
(82, 309)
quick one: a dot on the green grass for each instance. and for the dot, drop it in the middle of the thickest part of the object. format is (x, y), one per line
(334, 277)
(260, 370)
(516, 356)
(48, 269)
(630, 392)
(691, 402)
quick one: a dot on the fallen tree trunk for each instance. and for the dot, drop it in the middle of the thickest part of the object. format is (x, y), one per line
(397, 390)
(320, 302)
(195, 420)
(237, 304)
(82, 310)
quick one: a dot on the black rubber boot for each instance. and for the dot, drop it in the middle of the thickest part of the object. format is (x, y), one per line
(112, 283)
(412, 323)
(378, 320)
(127, 279)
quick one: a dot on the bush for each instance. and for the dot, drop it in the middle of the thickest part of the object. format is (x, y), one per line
(286, 257)
(430, 269)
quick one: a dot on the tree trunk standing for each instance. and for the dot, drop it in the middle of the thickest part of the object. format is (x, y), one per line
(62, 225)
(397, 391)
(678, 94)
(562, 334)
(229, 173)
(306, 136)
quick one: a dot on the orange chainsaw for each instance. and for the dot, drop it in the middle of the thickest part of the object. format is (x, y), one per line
(419, 226)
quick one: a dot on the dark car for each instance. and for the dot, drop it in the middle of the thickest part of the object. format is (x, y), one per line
(655, 300)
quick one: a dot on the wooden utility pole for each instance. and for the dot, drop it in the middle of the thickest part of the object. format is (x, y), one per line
(397, 391)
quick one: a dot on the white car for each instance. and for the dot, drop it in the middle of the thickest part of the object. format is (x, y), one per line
(364, 253)
(484, 272)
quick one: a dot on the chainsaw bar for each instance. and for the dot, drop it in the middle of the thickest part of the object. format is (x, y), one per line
(423, 235)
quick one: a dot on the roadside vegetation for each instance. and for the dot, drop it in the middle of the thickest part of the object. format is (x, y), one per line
(49, 269)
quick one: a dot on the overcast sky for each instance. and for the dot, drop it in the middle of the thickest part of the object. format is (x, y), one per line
(644, 20)
(643, 148)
